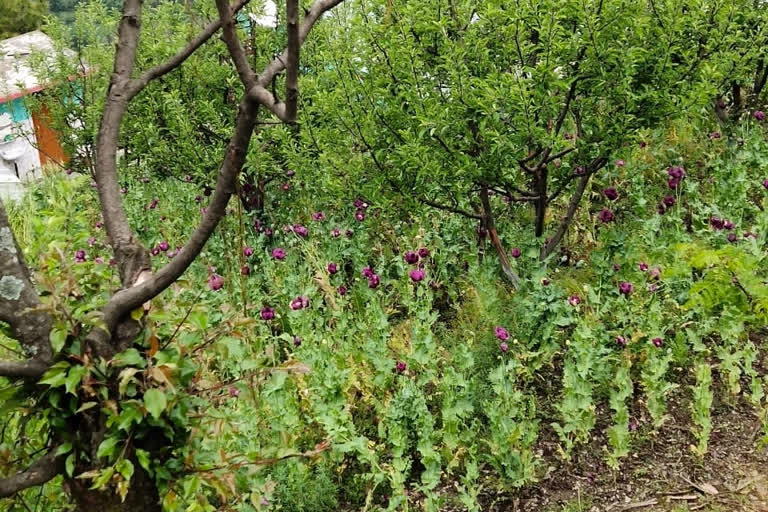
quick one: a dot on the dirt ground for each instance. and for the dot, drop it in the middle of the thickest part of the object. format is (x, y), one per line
(661, 474)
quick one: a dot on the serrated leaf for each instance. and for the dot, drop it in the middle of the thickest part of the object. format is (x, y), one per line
(143, 457)
(58, 337)
(155, 402)
(56, 375)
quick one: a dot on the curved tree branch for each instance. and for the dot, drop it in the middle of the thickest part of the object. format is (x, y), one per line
(292, 62)
(43, 470)
(137, 84)
(229, 34)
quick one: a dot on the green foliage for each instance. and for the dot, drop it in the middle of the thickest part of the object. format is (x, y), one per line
(20, 16)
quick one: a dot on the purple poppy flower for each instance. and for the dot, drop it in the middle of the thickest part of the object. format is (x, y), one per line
(759, 115)
(652, 287)
(417, 275)
(503, 347)
(215, 282)
(360, 204)
(335, 232)
(606, 215)
(91, 241)
(267, 313)
(411, 257)
(112, 261)
(732, 237)
(300, 230)
(765, 183)
(400, 367)
(360, 215)
(423, 252)
(728, 225)
(348, 233)
(123, 190)
(580, 170)
(155, 251)
(342, 290)
(374, 281)
(657, 342)
(163, 246)
(278, 253)
(332, 268)
(99, 225)
(297, 341)
(673, 183)
(290, 173)
(366, 272)
(247, 252)
(715, 135)
(501, 333)
(545, 282)
(153, 204)
(516, 252)
(574, 300)
(245, 270)
(643, 266)
(655, 273)
(297, 304)
(621, 340)
(188, 178)
(661, 209)
(268, 231)
(676, 172)
(625, 288)
(234, 392)
(669, 201)
(611, 193)
(318, 216)
(620, 163)
(199, 198)
(98, 260)
(80, 256)
(717, 223)
(285, 187)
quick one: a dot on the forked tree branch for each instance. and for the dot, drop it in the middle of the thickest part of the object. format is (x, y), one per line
(594, 166)
(43, 470)
(128, 299)
(137, 84)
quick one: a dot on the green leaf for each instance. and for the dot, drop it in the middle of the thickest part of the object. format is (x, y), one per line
(107, 447)
(86, 406)
(74, 377)
(130, 357)
(69, 464)
(125, 468)
(143, 458)
(56, 375)
(64, 448)
(58, 337)
(155, 401)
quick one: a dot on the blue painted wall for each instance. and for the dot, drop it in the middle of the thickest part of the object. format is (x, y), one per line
(16, 108)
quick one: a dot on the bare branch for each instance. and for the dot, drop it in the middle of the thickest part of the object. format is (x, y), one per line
(130, 298)
(137, 84)
(30, 369)
(451, 209)
(43, 470)
(594, 166)
(266, 98)
(292, 61)
(247, 76)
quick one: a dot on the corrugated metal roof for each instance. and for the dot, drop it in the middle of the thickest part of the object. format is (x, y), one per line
(16, 76)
